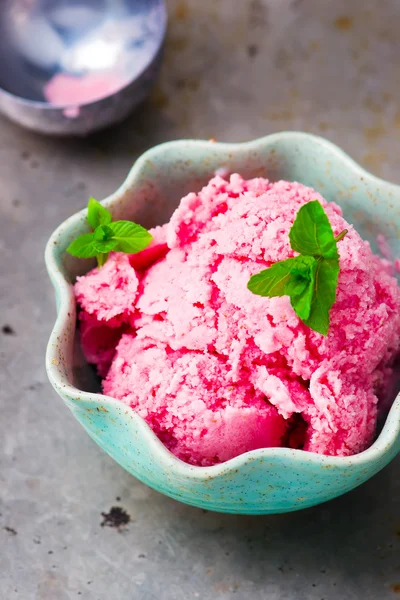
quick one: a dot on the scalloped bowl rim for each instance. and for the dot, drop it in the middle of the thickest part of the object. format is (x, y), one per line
(391, 429)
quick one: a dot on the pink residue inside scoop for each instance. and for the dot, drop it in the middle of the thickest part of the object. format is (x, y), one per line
(64, 89)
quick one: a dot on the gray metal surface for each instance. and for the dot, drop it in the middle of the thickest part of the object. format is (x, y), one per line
(233, 71)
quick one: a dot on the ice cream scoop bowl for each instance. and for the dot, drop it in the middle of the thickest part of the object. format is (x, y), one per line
(70, 67)
(270, 480)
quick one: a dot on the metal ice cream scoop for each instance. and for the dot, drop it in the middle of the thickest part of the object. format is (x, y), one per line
(74, 66)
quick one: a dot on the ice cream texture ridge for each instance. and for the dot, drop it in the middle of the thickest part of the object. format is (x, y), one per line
(217, 371)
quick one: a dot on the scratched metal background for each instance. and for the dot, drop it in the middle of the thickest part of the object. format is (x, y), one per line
(233, 70)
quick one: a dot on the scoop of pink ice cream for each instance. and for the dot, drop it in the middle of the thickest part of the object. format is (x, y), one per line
(109, 293)
(182, 400)
(107, 297)
(99, 340)
(217, 371)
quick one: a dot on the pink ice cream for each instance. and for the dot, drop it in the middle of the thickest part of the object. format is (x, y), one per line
(217, 371)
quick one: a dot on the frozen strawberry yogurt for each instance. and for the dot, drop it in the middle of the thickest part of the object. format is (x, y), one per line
(217, 371)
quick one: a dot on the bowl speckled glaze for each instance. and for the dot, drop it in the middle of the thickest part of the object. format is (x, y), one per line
(270, 480)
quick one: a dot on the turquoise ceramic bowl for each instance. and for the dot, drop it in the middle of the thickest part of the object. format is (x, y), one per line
(271, 480)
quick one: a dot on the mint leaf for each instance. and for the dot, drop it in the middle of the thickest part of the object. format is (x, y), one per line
(103, 239)
(105, 246)
(296, 285)
(83, 246)
(326, 280)
(102, 259)
(97, 214)
(121, 236)
(310, 279)
(311, 233)
(103, 233)
(131, 237)
(292, 277)
(301, 288)
(270, 282)
(274, 280)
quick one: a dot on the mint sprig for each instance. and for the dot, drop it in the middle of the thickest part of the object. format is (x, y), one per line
(310, 279)
(97, 214)
(108, 235)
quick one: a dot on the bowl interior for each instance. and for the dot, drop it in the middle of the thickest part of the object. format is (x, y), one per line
(166, 173)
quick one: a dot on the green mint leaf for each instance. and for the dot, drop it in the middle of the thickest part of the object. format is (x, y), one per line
(121, 236)
(311, 233)
(105, 246)
(97, 214)
(301, 265)
(300, 287)
(104, 240)
(272, 281)
(324, 296)
(296, 285)
(310, 279)
(103, 233)
(101, 259)
(83, 246)
(131, 237)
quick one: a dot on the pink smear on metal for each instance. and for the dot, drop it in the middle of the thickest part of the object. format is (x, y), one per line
(71, 112)
(64, 89)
